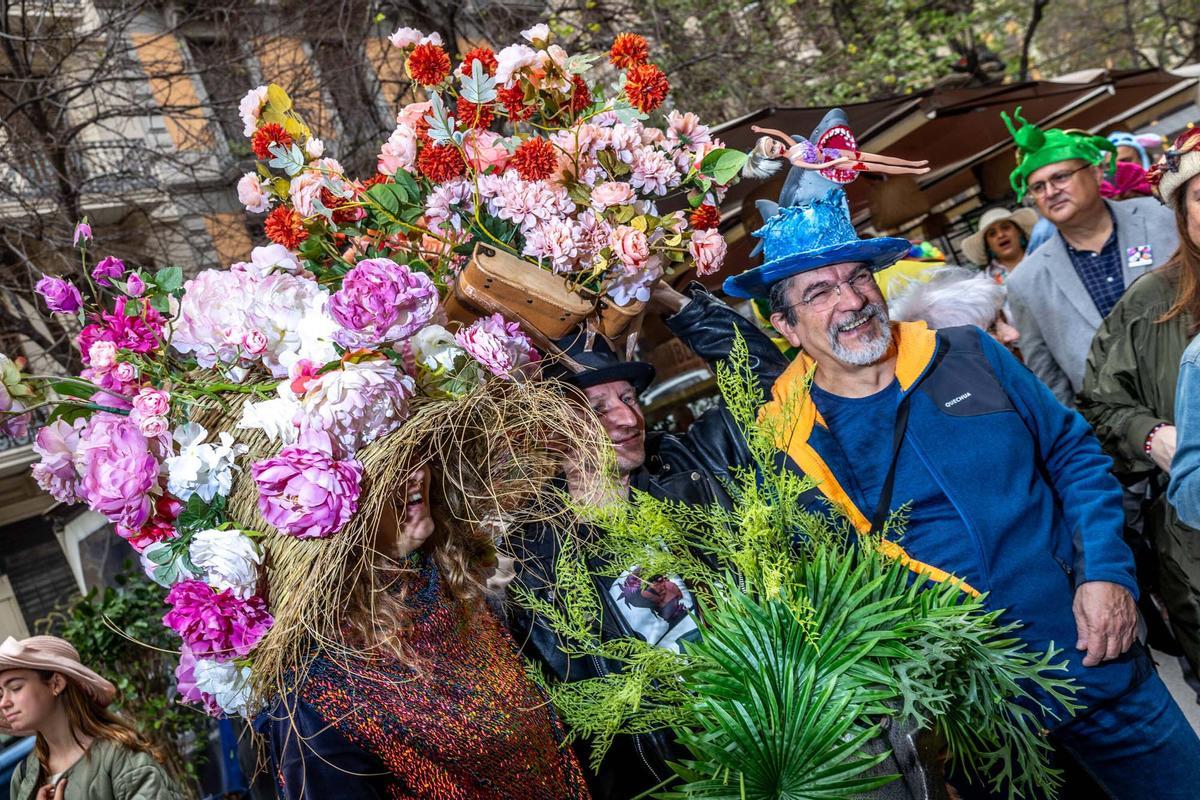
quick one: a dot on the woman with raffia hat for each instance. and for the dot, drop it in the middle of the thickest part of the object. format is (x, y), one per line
(1129, 389)
(83, 751)
(999, 243)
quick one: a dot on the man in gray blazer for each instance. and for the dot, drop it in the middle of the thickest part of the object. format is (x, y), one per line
(1061, 292)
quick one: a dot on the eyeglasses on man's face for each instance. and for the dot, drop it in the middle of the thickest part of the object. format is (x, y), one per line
(1058, 181)
(823, 295)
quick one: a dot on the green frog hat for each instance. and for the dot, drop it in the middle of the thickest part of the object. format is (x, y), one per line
(1037, 148)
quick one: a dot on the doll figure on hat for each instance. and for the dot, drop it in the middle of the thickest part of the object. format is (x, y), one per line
(834, 153)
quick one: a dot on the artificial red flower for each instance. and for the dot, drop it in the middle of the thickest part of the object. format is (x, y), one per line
(375, 180)
(284, 226)
(440, 162)
(646, 86)
(513, 99)
(534, 159)
(705, 217)
(581, 98)
(483, 55)
(629, 50)
(475, 116)
(341, 214)
(267, 135)
(428, 64)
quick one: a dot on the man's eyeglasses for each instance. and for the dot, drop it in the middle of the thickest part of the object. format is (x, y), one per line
(1058, 181)
(823, 296)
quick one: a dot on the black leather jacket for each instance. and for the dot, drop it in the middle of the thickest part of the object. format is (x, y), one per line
(682, 468)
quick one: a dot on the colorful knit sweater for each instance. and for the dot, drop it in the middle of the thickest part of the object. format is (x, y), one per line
(468, 725)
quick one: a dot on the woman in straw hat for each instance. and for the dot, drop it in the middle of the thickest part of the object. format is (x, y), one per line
(83, 750)
(1130, 388)
(1000, 242)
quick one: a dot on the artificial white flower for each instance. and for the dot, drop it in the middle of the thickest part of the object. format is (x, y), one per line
(276, 417)
(227, 559)
(538, 33)
(435, 349)
(204, 469)
(314, 147)
(227, 682)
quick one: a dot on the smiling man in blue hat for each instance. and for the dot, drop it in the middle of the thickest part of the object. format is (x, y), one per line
(1009, 492)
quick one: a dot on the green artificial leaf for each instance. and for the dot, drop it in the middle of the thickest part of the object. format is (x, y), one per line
(68, 413)
(441, 124)
(83, 391)
(390, 197)
(723, 165)
(160, 302)
(169, 279)
(288, 159)
(478, 88)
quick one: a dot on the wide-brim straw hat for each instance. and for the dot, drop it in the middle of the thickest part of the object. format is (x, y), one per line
(974, 246)
(52, 654)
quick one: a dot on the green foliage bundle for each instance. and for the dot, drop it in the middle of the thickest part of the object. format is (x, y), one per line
(119, 633)
(810, 639)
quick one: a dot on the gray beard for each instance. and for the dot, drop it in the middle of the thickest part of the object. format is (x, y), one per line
(871, 350)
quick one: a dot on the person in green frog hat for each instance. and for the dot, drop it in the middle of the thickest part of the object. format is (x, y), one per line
(1061, 292)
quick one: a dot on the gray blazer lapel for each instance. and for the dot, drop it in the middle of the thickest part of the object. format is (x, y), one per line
(1132, 232)
(1062, 273)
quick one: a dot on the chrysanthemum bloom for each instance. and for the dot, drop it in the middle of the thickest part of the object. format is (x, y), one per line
(705, 217)
(515, 106)
(535, 159)
(472, 115)
(284, 226)
(484, 55)
(440, 162)
(629, 50)
(427, 64)
(304, 491)
(646, 86)
(581, 96)
(382, 302)
(216, 625)
(267, 135)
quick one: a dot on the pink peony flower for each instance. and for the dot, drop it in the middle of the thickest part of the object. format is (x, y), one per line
(498, 345)
(250, 108)
(253, 194)
(555, 241)
(61, 296)
(612, 193)
(216, 625)
(406, 37)
(630, 246)
(708, 250)
(56, 443)
(135, 285)
(399, 152)
(653, 172)
(109, 267)
(120, 472)
(381, 302)
(356, 404)
(305, 492)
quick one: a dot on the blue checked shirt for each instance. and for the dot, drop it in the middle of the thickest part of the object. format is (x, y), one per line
(1103, 273)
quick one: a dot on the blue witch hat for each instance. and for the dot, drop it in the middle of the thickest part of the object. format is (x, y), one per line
(810, 228)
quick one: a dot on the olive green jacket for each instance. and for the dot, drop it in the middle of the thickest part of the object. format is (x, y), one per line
(109, 771)
(1132, 368)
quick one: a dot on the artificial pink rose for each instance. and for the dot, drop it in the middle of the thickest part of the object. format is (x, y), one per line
(153, 427)
(152, 402)
(405, 38)
(125, 372)
(102, 355)
(631, 247)
(135, 286)
(305, 188)
(511, 60)
(412, 114)
(120, 472)
(304, 491)
(399, 152)
(109, 267)
(61, 296)
(253, 194)
(216, 625)
(708, 250)
(485, 151)
(498, 345)
(83, 233)
(255, 342)
(612, 193)
(250, 107)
